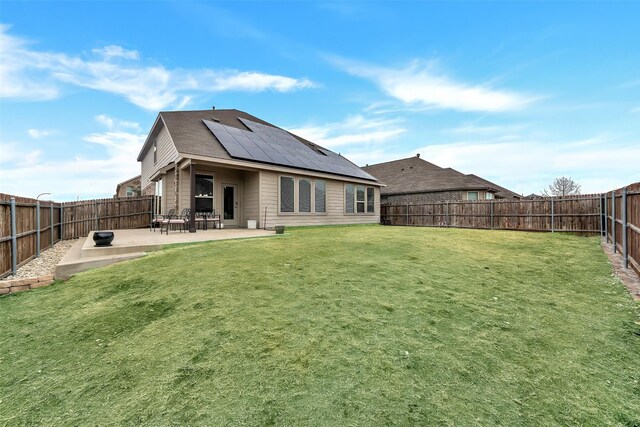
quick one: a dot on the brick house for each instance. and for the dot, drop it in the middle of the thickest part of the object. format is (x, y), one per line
(129, 188)
(414, 180)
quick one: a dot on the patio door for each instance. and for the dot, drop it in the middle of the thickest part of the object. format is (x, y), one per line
(230, 204)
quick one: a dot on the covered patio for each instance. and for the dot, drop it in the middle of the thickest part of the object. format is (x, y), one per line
(131, 244)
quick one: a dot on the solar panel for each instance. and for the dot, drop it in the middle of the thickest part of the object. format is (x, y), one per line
(272, 145)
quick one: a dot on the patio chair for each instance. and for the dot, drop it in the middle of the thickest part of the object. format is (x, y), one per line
(182, 221)
(157, 220)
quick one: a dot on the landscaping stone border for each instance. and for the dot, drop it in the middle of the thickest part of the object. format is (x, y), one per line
(23, 284)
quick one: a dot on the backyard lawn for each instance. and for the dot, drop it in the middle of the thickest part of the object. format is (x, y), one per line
(362, 325)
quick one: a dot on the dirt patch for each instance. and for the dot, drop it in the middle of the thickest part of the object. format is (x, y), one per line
(628, 276)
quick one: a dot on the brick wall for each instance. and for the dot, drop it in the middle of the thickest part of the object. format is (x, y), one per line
(418, 198)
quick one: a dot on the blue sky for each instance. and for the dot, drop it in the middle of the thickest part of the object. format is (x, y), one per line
(517, 92)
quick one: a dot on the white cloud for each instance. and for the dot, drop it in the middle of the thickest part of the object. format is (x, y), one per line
(20, 70)
(354, 130)
(40, 133)
(528, 166)
(111, 123)
(13, 153)
(472, 129)
(421, 85)
(114, 51)
(30, 74)
(80, 176)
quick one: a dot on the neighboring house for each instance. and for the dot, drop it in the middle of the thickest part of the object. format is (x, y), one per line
(247, 169)
(129, 188)
(415, 180)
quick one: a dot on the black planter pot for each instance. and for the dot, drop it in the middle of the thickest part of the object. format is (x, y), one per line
(103, 238)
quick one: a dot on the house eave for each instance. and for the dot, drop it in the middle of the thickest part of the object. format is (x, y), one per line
(248, 165)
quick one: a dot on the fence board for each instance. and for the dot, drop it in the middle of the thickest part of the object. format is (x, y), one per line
(70, 220)
(576, 213)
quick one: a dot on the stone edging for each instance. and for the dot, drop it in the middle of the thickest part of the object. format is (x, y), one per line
(17, 285)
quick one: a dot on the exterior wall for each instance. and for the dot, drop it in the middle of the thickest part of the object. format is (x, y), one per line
(481, 195)
(435, 197)
(165, 154)
(251, 197)
(334, 205)
(121, 189)
(220, 176)
(419, 198)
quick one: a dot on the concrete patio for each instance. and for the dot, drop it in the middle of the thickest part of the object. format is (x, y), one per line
(131, 244)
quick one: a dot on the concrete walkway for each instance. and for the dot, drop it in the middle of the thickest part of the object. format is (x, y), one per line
(130, 244)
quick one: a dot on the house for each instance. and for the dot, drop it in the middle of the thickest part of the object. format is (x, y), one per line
(129, 188)
(245, 168)
(414, 180)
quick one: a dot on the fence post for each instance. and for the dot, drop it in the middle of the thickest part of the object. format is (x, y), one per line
(606, 219)
(625, 253)
(600, 213)
(406, 217)
(446, 218)
(552, 218)
(491, 214)
(37, 228)
(51, 221)
(95, 206)
(61, 221)
(613, 220)
(14, 237)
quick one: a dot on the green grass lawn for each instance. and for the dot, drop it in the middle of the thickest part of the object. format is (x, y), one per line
(363, 325)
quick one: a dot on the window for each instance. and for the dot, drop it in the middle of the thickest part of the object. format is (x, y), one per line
(287, 194)
(304, 195)
(321, 196)
(370, 200)
(472, 195)
(359, 199)
(488, 196)
(348, 198)
(130, 191)
(155, 151)
(360, 202)
(204, 193)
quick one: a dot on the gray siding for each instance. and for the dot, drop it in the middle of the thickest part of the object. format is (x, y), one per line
(166, 153)
(335, 205)
(251, 197)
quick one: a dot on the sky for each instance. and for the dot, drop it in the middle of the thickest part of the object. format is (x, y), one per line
(517, 92)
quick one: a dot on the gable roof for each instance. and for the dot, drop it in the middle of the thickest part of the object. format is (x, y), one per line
(415, 175)
(191, 136)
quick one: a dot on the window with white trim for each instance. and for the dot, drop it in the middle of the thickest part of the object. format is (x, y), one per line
(349, 194)
(287, 194)
(204, 193)
(488, 196)
(155, 151)
(321, 196)
(298, 195)
(359, 199)
(304, 195)
(130, 191)
(472, 195)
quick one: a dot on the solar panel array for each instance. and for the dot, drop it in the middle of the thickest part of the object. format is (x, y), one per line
(273, 145)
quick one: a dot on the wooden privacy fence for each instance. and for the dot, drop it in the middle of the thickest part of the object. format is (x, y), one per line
(28, 226)
(622, 225)
(582, 213)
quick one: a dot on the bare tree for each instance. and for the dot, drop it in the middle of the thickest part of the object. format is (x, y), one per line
(562, 186)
